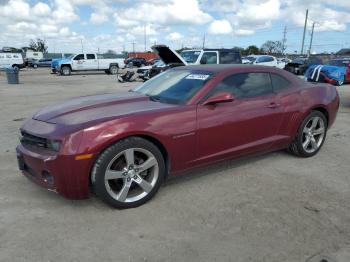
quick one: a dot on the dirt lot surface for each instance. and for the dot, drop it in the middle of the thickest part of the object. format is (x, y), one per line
(274, 207)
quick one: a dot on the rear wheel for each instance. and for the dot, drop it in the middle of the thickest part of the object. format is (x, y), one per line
(311, 135)
(128, 173)
(113, 69)
(66, 71)
(16, 67)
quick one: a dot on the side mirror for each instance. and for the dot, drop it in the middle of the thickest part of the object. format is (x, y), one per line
(203, 60)
(222, 97)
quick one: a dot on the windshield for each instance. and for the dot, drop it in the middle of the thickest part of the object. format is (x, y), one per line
(190, 56)
(251, 58)
(341, 63)
(174, 86)
(299, 61)
(159, 64)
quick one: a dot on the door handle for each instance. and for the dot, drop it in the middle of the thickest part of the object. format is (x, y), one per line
(273, 105)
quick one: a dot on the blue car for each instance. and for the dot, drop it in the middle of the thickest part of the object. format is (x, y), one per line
(335, 72)
(57, 62)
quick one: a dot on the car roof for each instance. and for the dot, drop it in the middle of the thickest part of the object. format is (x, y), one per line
(216, 68)
(213, 49)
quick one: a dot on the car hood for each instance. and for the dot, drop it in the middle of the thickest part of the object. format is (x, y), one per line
(168, 56)
(63, 60)
(85, 110)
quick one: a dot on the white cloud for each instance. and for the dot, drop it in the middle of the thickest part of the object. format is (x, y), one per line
(326, 18)
(98, 18)
(41, 9)
(220, 27)
(165, 14)
(175, 36)
(244, 32)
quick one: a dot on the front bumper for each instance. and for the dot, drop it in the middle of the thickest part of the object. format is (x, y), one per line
(59, 173)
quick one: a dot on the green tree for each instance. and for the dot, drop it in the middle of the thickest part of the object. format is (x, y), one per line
(38, 45)
(252, 50)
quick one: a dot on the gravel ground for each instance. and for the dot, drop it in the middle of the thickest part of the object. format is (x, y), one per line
(274, 207)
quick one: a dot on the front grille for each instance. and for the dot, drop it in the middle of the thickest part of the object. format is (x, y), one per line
(28, 139)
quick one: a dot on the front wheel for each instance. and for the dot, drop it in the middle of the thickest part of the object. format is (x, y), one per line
(311, 135)
(339, 83)
(128, 173)
(66, 71)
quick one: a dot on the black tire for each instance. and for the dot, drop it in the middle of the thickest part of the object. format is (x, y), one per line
(108, 156)
(113, 69)
(66, 71)
(35, 66)
(16, 67)
(296, 146)
(339, 83)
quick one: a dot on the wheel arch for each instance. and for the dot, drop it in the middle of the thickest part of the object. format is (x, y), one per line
(323, 110)
(114, 64)
(66, 65)
(147, 137)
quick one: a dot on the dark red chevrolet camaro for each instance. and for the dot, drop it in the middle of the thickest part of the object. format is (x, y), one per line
(124, 146)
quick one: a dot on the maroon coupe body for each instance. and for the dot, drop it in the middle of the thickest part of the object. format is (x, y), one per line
(190, 134)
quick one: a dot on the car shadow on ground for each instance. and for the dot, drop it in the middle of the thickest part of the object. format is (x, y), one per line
(196, 173)
(214, 168)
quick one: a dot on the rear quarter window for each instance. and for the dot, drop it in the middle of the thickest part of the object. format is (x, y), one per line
(279, 83)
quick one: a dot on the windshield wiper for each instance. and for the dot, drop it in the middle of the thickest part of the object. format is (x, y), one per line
(154, 98)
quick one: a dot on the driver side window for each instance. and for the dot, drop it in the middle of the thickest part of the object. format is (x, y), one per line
(79, 57)
(245, 85)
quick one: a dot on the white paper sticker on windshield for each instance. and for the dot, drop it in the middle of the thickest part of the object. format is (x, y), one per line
(197, 77)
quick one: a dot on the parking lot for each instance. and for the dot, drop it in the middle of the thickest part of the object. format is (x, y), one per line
(274, 207)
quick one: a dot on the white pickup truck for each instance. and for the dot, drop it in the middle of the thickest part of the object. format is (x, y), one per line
(89, 62)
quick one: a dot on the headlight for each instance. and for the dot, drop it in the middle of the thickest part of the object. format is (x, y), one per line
(54, 145)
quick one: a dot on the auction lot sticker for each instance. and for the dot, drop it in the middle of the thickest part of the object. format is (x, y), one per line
(197, 77)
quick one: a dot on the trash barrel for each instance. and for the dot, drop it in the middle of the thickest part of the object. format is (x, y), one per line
(12, 75)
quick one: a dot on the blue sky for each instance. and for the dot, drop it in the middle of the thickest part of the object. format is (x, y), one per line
(70, 25)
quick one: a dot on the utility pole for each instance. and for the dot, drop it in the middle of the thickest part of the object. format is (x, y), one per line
(144, 34)
(133, 47)
(203, 41)
(284, 39)
(312, 36)
(302, 44)
(82, 46)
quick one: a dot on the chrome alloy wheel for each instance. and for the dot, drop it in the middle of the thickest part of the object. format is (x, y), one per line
(131, 175)
(313, 134)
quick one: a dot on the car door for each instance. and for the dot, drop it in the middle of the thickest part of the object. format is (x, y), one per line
(347, 71)
(78, 62)
(249, 123)
(90, 62)
(290, 103)
(2, 61)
